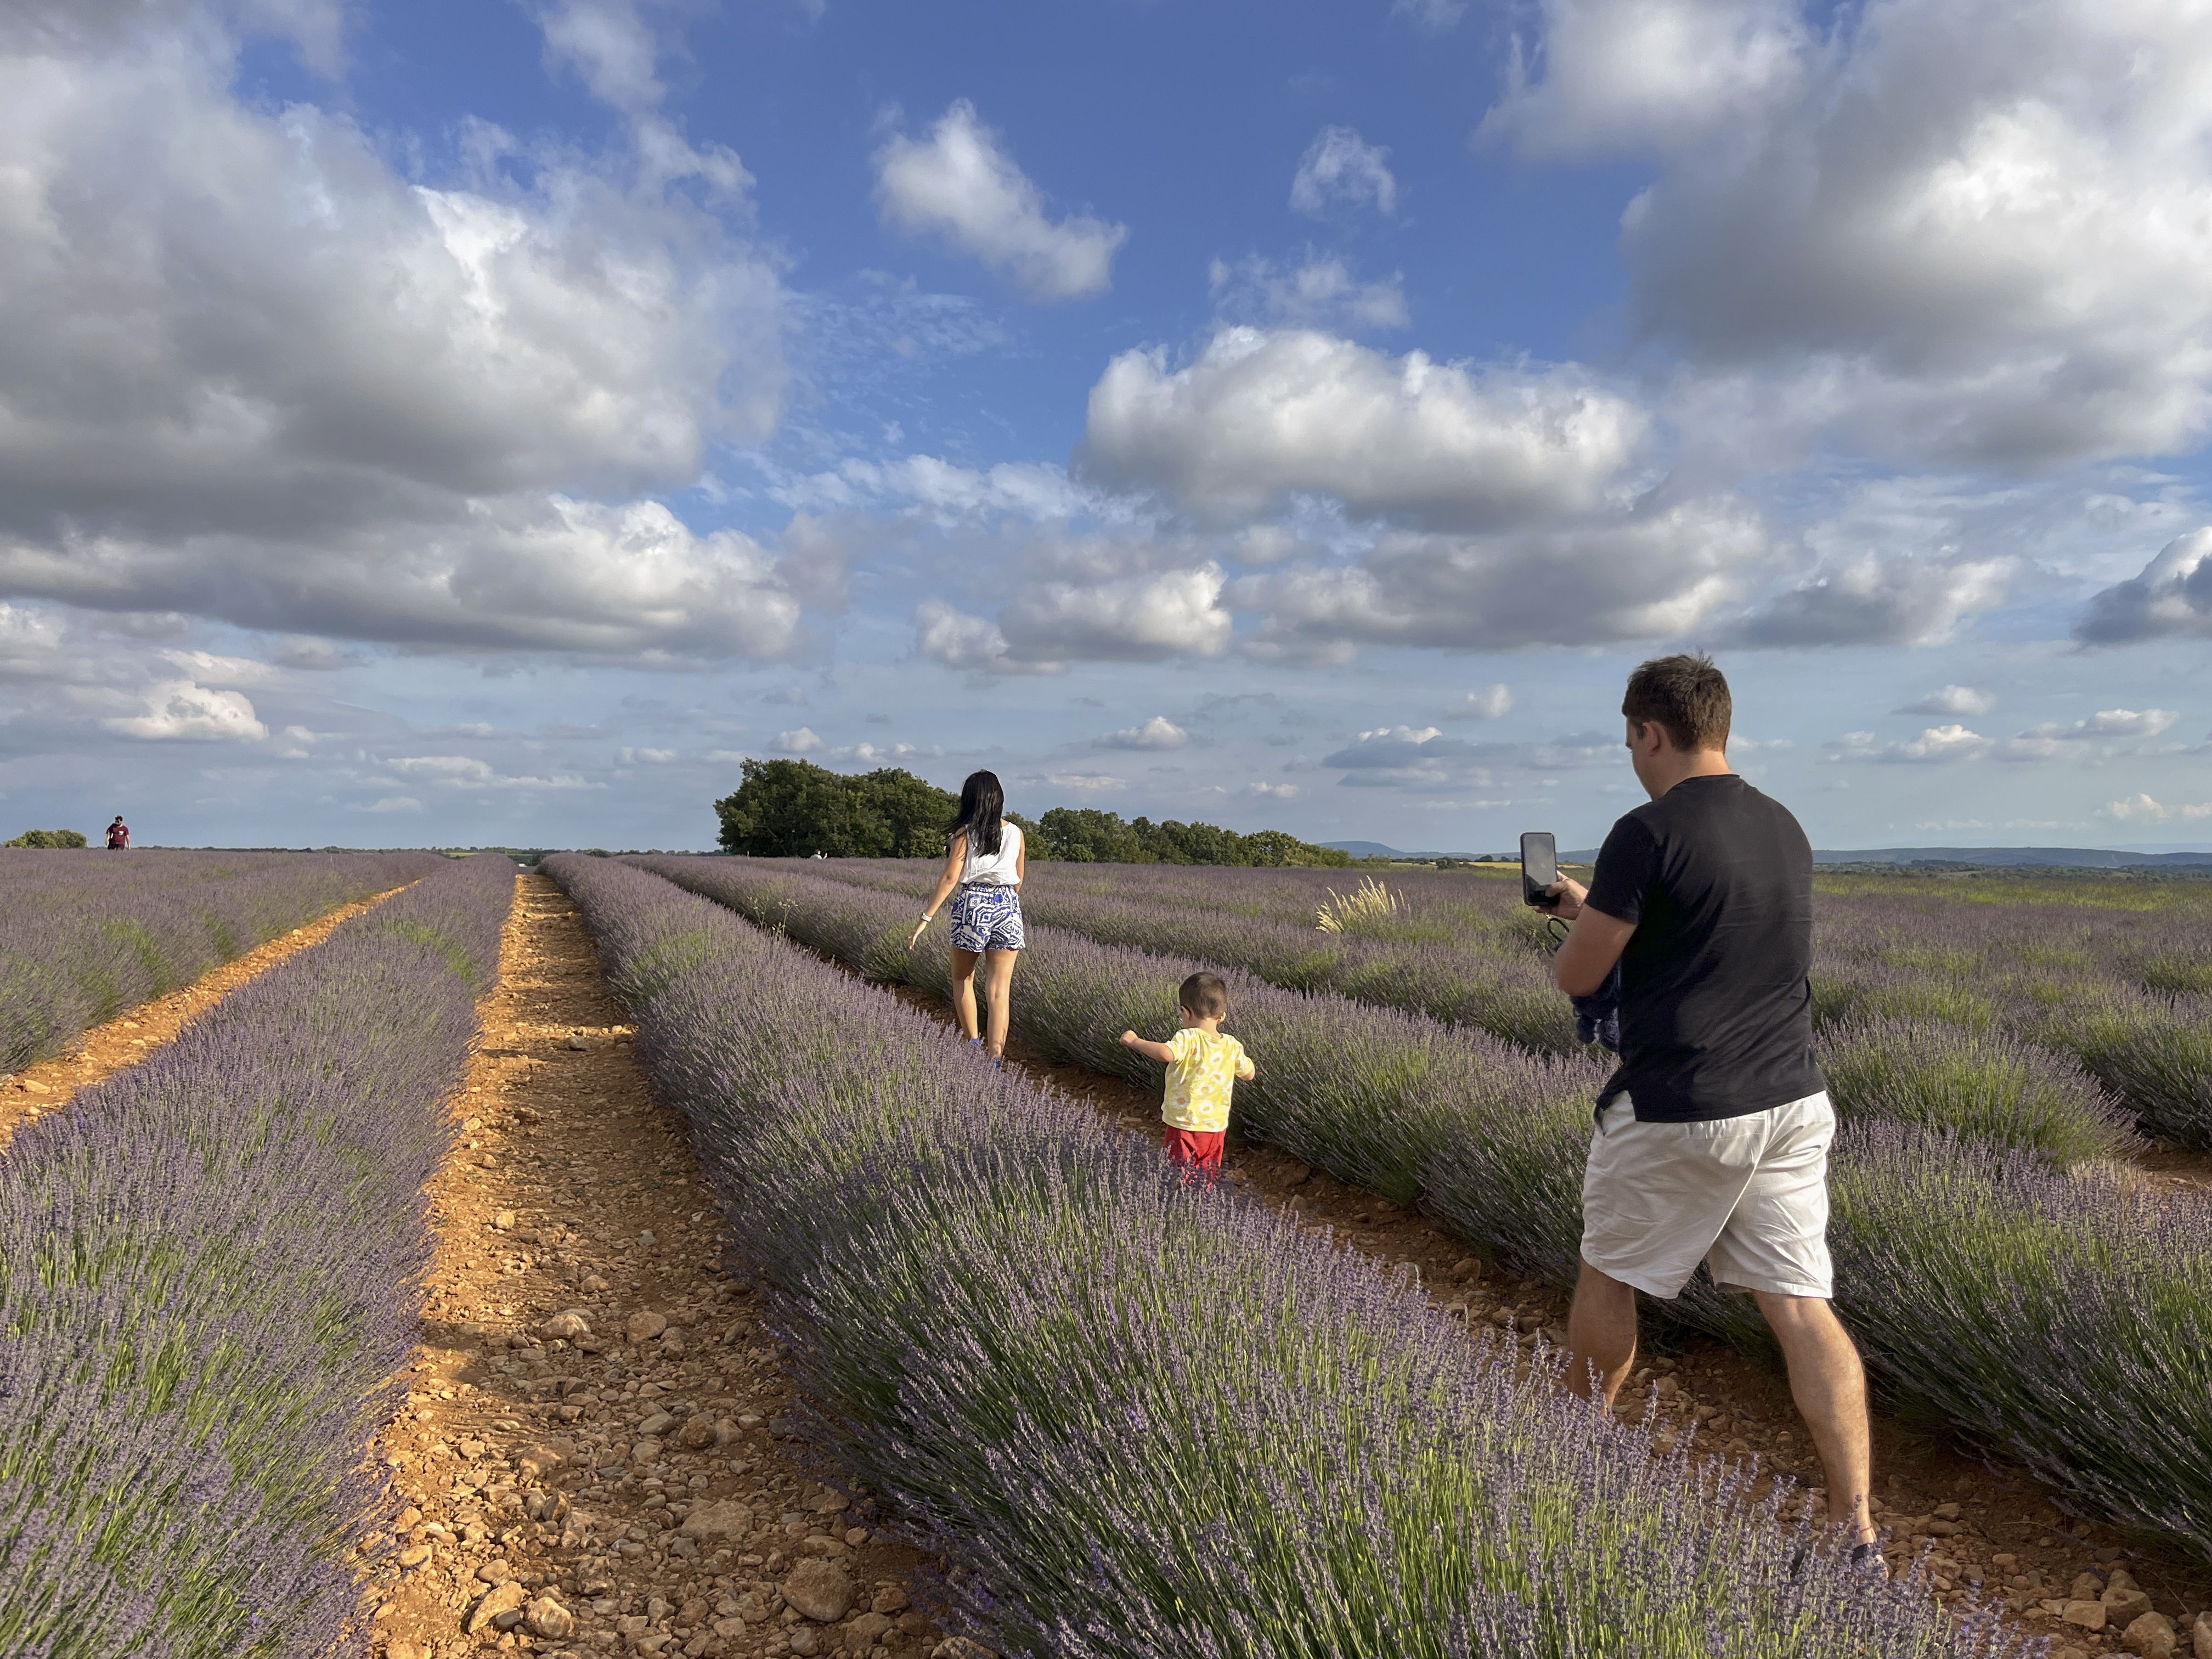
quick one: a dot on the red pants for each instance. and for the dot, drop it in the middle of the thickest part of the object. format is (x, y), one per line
(1197, 1149)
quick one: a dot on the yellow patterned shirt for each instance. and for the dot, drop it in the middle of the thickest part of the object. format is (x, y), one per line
(1206, 1066)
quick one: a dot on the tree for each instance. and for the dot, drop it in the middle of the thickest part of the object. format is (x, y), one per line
(48, 838)
(794, 809)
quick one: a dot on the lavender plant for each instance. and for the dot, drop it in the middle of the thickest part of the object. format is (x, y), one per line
(1145, 1420)
(210, 1272)
(84, 936)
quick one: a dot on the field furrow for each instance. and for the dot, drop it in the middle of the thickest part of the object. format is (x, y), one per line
(1143, 1419)
(631, 1486)
(1953, 1256)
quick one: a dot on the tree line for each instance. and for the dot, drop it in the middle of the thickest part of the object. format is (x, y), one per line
(795, 809)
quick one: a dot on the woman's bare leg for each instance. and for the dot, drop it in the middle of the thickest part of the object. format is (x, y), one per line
(963, 989)
(998, 983)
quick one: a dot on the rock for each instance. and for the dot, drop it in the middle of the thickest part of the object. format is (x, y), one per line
(501, 1598)
(866, 1631)
(697, 1434)
(594, 1286)
(406, 1650)
(647, 1450)
(2203, 1642)
(579, 1044)
(2088, 1587)
(1947, 1512)
(568, 1322)
(534, 1462)
(821, 1590)
(644, 1326)
(889, 1599)
(503, 1222)
(805, 1642)
(494, 1572)
(672, 1345)
(2089, 1615)
(2123, 1602)
(726, 1518)
(594, 1577)
(647, 1239)
(414, 1556)
(959, 1647)
(2150, 1634)
(657, 1425)
(1466, 1268)
(547, 1617)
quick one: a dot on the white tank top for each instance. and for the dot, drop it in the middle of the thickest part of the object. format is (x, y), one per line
(999, 870)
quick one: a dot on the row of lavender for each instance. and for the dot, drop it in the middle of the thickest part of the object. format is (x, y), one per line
(85, 936)
(2119, 992)
(1957, 1253)
(210, 1272)
(1142, 1420)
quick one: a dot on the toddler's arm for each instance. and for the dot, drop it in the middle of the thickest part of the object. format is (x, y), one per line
(1246, 1070)
(1158, 1051)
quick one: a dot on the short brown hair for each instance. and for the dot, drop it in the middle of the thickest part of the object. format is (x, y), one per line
(1205, 995)
(1684, 694)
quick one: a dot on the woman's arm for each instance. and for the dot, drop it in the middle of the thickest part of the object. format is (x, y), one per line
(955, 856)
(1021, 861)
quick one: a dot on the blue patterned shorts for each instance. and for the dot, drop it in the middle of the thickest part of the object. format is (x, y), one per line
(986, 919)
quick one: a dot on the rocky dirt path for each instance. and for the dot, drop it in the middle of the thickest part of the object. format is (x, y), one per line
(593, 1450)
(1991, 1534)
(124, 1041)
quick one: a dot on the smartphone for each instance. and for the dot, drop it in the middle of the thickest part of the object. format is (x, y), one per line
(1540, 865)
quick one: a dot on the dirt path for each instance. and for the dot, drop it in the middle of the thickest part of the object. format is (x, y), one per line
(1990, 1531)
(125, 1040)
(629, 1488)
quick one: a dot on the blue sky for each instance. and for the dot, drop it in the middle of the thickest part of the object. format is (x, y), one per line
(492, 421)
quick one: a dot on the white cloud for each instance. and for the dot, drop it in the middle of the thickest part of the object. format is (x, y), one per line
(627, 755)
(1085, 782)
(1936, 744)
(1322, 292)
(2144, 809)
(1272, 791)
(1971, 229)
(1951, 700)
(1341, 169)
(971, 643)
(1487, 704)
(1035, 490)
(1157, 732)
(179, 710)
(1648, 576)
(1261, 416)
(869, 754)
(960, 183)
(1876, 599)
(1147, 616)
(801, 741)
(2109, 723)
(466, 772)
(2171, 599)
(391, 804)
(1434, 16)
(334, 401)
(609, 46)
(213, 669)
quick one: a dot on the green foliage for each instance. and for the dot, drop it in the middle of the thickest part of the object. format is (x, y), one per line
(62, 839)
(1084, 834)
(794, 809)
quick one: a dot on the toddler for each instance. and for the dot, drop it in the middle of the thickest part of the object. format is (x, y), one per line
(1203, 1063)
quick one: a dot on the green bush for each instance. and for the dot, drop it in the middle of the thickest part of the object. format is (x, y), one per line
(66, 840)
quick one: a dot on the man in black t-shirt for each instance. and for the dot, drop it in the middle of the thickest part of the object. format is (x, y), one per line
(1712, 1142)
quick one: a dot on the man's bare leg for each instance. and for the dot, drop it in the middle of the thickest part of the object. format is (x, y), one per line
(1601, 1333)
(1829, 1385)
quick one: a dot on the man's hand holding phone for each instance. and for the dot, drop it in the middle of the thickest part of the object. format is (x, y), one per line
(1564, 899)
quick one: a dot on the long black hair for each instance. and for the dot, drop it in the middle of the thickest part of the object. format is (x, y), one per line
(983, 807)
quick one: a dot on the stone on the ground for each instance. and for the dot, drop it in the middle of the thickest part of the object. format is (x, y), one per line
(406, 1650)
(659, 1424)
(579, 1043)
(2203, 1642)
(503, 1221)
(2150, 1634)
(889, 1599)
(821, 1590)
(547, 1617)
(568, 1322)
(2124, 1601)
(644, 1326)
(866, 1631)
(501, 1598)
(2089, 1615)
(726, 1518)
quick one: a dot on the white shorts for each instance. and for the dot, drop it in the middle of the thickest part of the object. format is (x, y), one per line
(1749, 1195)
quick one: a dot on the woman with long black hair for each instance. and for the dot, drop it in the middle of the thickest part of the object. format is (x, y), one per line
(984, 859)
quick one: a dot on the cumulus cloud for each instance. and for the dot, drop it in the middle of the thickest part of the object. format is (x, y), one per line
(1264, 416)
(960, 184)
(1141, 618)
(213, 669)
(335, 401)
(2143, 809)
(608, 45)
(2108, 723)
(1951, 700)
(1157, 732)
(800, 741)
(1341, 169)
(1876, 599)
(1085, 782)
(971, 643)
(1487, 704)
(1321, 292)
(468, 773)
(871, 754)
(179, 711)
(2171, 599)
(1967, 230)
(1422, 758)
(1646, 576)
(1936, 744)
(1272, 791)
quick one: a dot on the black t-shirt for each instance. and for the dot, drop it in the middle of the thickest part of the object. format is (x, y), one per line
(1716, 1005)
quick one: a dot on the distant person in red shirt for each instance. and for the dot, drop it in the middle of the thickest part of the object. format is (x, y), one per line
(118, 835)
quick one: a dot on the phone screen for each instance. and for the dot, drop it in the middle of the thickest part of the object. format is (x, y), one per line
(1540, 865)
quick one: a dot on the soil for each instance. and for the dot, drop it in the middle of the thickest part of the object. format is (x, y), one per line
(533, 1459)
(124, 1041)
(1991, 1531)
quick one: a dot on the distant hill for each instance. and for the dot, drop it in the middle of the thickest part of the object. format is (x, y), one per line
(1376, 849)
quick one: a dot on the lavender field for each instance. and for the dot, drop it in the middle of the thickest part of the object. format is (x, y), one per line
(1139, 1419)
(209, 1275)
(86, 935)
(1980, 1214)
